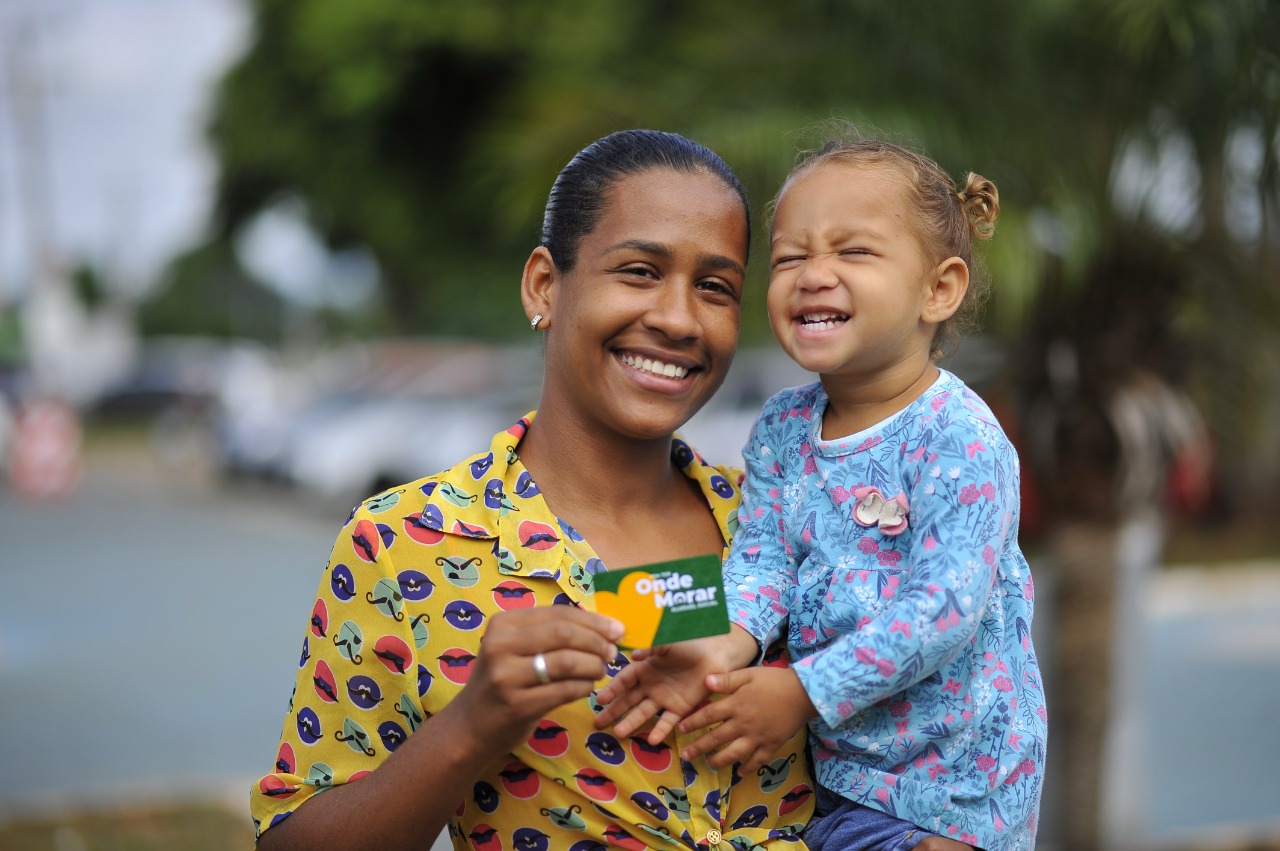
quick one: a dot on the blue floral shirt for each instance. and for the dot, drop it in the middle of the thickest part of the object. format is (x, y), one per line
(890, 561)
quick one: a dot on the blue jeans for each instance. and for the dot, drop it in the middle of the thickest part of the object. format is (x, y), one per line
(841, 825)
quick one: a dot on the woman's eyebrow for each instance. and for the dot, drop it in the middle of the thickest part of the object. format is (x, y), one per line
(658, 249)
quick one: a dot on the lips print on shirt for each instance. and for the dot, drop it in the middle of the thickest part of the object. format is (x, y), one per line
(536, 536)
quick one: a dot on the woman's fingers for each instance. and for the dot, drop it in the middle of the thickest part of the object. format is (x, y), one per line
(547, 628)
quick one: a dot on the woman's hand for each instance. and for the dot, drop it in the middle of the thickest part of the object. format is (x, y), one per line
(505, 697)
(669, 682)
(762, 709)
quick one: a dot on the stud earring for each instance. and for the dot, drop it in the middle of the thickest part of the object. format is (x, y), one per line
(533, 323)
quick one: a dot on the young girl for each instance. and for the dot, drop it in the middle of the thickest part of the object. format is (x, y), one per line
(878, 533)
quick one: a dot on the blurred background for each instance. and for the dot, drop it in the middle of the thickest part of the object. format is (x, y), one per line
(250, 251)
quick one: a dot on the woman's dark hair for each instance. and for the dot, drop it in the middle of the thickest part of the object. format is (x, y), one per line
(577, 197)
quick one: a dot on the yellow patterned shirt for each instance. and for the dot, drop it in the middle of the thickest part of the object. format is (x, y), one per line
(393, 633)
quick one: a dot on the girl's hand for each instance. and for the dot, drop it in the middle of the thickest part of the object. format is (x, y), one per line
(669, 682)
(761, 710)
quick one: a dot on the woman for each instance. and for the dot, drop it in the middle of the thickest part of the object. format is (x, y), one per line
(637, 288)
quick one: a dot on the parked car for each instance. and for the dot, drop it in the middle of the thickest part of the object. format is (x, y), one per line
(399, 411)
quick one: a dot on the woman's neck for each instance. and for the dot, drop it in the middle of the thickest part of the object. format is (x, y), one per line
(578, 469)
(854, 405)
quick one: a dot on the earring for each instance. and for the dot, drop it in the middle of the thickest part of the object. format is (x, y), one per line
(533, 323)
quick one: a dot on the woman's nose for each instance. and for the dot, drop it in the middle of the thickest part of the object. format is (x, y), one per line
(675, 311)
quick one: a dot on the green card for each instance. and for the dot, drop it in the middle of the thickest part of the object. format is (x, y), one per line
(665, 602)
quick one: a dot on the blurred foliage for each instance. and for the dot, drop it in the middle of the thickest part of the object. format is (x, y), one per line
(1134, 143)
(207, 293)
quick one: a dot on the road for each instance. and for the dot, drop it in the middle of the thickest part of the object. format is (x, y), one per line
(149, 630)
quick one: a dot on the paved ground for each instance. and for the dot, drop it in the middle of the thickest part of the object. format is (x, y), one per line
(149, 630)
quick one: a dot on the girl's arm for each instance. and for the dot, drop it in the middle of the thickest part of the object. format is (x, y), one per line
(760, 573)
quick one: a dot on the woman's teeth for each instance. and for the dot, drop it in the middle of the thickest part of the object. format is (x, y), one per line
(656, 367)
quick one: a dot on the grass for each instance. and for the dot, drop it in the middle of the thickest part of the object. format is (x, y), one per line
(172, 828)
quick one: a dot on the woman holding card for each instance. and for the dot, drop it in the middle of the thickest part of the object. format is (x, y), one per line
(438, 669)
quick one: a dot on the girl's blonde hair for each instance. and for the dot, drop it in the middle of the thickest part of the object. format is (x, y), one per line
(948, 220)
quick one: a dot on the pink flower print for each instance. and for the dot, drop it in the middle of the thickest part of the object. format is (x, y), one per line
(1015, 739)
(999, 824)
(952, 686)
(808, 634)
(989, 555)
(902, 725)
(839, 494)
(938, 402)
(865, 655)
(950, 619)
(1003, 684)
(988, 491)
(845, 708)
(1028, 767)
(969, 494)
(770, 592)
(883, 795)
(975, 447)
(778, 608)
(967, 715)
(969, 838)
(867, 546)
(873, 510)
(900, 708)
(936, 771)
(1042, 712)
(985, 762)
(886, 667)
(889, 558)
(930, 544)
(863, 621)
(869, 443)
(918, 455)
(903, 627)
(891, 780)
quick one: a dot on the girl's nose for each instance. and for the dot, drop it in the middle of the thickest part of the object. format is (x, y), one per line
(817, 273)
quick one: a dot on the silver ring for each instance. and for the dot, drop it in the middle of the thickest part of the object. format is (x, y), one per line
(540, 668)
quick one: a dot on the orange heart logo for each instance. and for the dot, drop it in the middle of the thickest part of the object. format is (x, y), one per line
(635, 609)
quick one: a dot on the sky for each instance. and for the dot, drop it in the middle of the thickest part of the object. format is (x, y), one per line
(126, 90)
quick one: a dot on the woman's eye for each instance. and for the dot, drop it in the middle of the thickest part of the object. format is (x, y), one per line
(717, 286)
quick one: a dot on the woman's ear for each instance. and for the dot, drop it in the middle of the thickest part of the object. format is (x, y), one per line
(537, 286)
(949, 283)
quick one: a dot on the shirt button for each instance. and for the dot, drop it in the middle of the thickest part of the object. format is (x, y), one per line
(713, 837)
